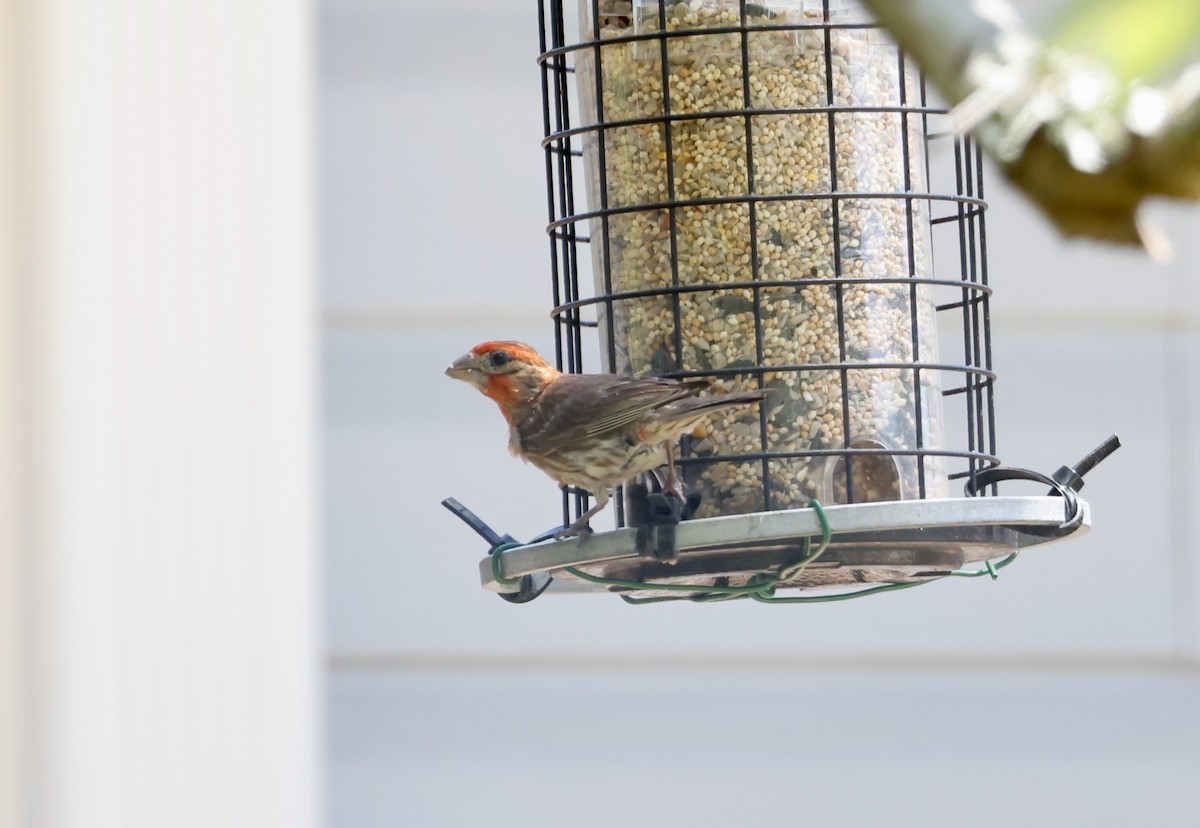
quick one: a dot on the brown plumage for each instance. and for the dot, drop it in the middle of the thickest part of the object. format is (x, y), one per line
(592, 431)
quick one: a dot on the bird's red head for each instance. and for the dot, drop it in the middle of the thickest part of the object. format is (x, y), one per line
(511, 373)
(517, 351)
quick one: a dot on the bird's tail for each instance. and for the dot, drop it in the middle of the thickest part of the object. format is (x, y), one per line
(735, 398)
(714, 402)
(684, 415)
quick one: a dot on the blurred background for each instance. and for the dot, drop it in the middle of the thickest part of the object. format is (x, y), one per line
(1067, 692)
(239, 243)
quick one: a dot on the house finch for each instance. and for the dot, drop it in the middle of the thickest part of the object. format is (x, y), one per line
(592, 431)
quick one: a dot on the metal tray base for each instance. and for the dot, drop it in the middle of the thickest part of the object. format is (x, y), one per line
(872, 543)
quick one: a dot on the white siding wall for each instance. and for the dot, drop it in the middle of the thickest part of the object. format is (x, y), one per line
(1068, 678)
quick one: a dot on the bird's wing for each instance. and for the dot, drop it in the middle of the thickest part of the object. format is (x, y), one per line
(580, 406)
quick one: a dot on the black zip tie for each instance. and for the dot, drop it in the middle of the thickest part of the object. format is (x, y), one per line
(1065, 482)
(528, 586)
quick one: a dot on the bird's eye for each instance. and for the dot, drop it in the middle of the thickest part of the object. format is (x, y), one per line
(498, 359)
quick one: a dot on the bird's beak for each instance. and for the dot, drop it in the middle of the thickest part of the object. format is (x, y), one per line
(466, 367)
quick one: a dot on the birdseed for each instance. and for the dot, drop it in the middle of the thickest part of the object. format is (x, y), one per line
(784, 337)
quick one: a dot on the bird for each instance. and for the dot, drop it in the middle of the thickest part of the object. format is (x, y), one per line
(590, 431)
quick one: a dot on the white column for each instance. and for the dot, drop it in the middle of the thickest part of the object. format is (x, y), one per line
(13, 676)
(158, 652)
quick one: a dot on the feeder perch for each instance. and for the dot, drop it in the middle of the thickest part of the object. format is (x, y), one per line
(762, 194)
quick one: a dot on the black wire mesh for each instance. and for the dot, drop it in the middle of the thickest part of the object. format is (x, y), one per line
(767, 190)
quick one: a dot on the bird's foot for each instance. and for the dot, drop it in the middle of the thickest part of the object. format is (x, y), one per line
(687, 505)
(674, 487)
(578, 529)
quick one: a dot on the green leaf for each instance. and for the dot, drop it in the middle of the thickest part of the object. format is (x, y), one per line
(1140, 41)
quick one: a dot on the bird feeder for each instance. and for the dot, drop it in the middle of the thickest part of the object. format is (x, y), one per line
(763, 194)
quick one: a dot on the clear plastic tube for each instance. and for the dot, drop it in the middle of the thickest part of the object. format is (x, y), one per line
(836, 354)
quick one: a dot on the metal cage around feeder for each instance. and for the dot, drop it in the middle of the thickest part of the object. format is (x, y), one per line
(767, 188)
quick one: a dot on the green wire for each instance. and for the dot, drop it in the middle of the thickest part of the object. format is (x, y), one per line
(841, 596)
(596, 579)
(795, 569)
(500, 578)
(989, 568)
(757, 587)
(760, 587)
(630, 600)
